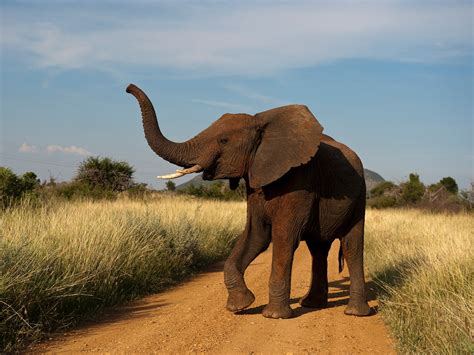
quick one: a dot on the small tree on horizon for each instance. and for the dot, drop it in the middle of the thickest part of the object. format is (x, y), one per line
(413, 190)
(449, 184)
(105, 173)
(170, 185)
(13, 187)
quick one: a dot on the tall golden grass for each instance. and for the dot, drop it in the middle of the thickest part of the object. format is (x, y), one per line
(424, 265)
(63, 262)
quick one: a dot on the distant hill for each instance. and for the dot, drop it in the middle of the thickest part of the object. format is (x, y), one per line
(196, 181)
(371, 180)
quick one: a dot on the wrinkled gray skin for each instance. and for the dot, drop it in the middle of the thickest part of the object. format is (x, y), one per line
(301, 185)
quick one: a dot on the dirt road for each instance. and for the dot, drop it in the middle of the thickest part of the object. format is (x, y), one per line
(192, 318)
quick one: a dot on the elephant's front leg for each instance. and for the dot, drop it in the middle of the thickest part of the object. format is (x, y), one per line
(284, 245)
(254, 240)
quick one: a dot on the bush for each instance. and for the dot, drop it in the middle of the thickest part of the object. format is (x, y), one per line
(382, 202)
(449, 184)
(14, 188)
(170, 185)
(97, 178)
(413, 190)
(217, 190)
(77, 190)
(105, 174)
(382, 188)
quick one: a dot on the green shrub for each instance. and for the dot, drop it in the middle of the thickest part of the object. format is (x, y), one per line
(13, 188)
(413, 190)
(217, 190)
(170, 185)
(96, 178)
(382, 202)
(381, 188)
(78, 190)
(105, 174)
(450, 184)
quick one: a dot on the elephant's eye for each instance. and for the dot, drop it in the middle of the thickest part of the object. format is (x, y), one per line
(223, 140)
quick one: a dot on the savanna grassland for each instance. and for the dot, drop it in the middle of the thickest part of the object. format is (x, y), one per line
(63, 262)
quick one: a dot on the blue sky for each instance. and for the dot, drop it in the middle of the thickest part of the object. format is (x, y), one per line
(391, 79)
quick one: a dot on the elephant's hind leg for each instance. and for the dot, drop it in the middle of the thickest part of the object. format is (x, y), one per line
(353, 250)
(317, 296)
(254, 240)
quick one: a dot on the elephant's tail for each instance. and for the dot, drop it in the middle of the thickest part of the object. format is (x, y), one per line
(341, 258)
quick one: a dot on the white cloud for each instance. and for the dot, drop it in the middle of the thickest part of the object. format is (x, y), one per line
(68, 150)
(235, 38)
(26, 148)
(52, 148)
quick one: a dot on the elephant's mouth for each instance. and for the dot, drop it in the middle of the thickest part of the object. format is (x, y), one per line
(209, 173)
(234, 183)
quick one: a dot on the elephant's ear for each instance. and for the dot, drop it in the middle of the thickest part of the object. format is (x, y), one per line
(291, 136)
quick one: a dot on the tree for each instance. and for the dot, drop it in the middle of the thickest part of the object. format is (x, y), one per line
(449, 184)
(13, 188)
(9, 186)
(170, 185)
(29, 181)
(413, 190)
(105, 173)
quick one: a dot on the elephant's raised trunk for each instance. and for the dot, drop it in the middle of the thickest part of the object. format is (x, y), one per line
(180, 154)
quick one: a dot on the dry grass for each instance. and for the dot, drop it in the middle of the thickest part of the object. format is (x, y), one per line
(424, 266)
(64, 262)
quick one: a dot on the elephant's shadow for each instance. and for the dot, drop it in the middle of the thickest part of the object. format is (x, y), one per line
(338, 296)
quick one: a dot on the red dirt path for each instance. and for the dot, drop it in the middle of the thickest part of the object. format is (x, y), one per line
(192, 318)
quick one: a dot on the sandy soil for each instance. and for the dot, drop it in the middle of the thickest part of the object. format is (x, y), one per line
(191, 318)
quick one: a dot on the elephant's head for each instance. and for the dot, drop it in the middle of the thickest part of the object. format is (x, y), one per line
(260, 148)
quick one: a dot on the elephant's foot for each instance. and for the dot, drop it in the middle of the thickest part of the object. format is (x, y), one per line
(277, 311)
(238, 301)
(312, 301)
(359, 309)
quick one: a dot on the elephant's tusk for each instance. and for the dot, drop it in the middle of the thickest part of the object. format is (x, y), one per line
(170, 176)
(181, 172)
(195, 169)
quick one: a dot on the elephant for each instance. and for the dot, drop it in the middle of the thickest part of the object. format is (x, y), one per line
(301, 185)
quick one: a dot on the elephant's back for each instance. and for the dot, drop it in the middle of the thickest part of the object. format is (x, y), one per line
(340, 172)
(341, 155)
(340, 176)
